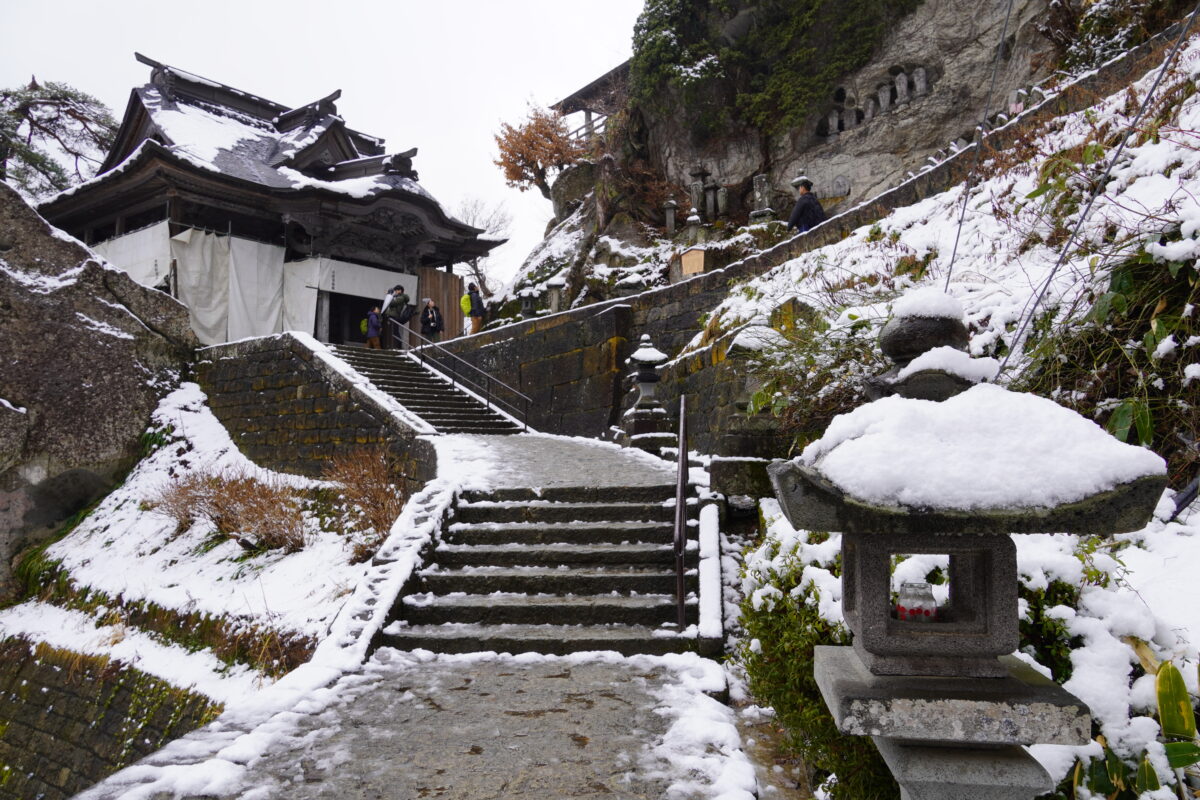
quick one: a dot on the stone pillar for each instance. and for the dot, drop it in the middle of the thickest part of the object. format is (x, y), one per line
(710, 200)
(696, 195)
(834, 118)
(762, 200)
(849, 119)
(554, 293)
(884, 93)
(901, 88)
(722, 202)
(588, 127)
(669, 211)
(920, 82)
(695, 234)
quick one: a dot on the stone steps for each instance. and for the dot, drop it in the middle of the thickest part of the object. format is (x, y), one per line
(554, 571)
(424, 393)
(651, 610)
(551, 639)
(557, 554)
(545, 580)
(550, 511)
(541, 533)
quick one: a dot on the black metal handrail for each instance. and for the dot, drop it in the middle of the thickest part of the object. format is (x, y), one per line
(681, 481)
(484, 389)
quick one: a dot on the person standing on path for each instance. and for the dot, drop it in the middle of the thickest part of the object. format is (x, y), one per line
(395, 308)
(431, 320)
(374, 328)
(807, 213)
(476, 309)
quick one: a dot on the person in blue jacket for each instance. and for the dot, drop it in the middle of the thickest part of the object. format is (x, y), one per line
(374, 329)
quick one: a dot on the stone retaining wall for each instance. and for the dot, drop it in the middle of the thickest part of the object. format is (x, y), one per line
(289, 410)
(67, 721)
(533, 350)
(570, 365)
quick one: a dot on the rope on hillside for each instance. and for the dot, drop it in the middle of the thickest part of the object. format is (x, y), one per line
(1062, 256)
(983, 131)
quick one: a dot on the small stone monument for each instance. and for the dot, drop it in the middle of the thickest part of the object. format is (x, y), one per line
(901, 88)
(647, 425)
(920, 82)
(554, 293)
(947, 705)
(762, 200)
(669, 208)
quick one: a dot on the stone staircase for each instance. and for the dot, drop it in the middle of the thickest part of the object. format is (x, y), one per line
(566, 570)
(425, 393)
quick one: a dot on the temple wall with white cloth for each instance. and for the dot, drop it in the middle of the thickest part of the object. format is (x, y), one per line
(237, 288)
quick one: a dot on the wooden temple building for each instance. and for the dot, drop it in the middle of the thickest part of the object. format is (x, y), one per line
(261, 217)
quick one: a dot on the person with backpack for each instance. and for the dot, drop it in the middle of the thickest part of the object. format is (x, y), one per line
(807, 213)
(431, 320)
(472, 306)
(396, 309)
(374, 329)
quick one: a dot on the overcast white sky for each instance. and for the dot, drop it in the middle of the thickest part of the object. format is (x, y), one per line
(440, 75)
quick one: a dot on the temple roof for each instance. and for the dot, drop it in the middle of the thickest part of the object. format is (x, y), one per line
(245, 152)
(226, 130)
(596, 96)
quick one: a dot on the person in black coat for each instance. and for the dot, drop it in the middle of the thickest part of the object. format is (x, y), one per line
(431, 320)
(807, 213)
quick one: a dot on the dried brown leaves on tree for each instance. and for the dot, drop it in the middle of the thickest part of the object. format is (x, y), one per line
(532, 152)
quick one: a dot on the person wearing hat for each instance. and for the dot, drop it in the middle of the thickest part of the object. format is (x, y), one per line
(394, 307)
(807, 213)
(431, 320)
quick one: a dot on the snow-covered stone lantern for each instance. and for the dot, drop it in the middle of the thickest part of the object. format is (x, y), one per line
(945, 465)
(528, 303)
(647, 425)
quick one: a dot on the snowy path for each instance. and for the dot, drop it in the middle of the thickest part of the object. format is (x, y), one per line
(545, 461)
(491, 727)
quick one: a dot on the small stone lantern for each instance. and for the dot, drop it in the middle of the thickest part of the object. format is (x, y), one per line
(647, 425)
(946, 703)
(528, 303)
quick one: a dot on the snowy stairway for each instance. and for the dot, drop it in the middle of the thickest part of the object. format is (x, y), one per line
(424, 393)
(556, 573)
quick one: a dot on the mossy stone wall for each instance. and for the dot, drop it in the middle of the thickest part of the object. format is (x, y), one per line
(289, 411)
(67, 721)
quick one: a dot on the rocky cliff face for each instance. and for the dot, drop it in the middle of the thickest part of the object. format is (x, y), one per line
(85, 355)
(925, 86)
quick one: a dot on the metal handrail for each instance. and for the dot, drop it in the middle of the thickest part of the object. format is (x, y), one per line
(400, 329)
(681, 480)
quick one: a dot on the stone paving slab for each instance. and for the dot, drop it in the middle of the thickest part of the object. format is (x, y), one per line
(538, 460)
(475, 729)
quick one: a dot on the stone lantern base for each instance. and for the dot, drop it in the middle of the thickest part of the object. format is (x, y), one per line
(954, 738)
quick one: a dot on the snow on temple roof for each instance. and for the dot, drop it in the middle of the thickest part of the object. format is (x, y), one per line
(231, 132)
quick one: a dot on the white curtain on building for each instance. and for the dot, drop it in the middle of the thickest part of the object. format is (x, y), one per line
(202, 262)
(255, 289)
(300, 296)
(238, 288)
(359, 281)
(145, 254)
